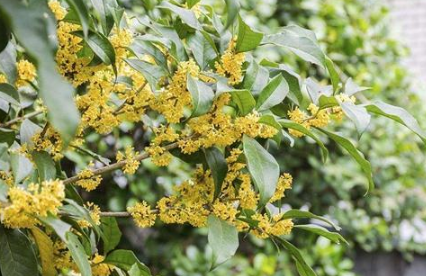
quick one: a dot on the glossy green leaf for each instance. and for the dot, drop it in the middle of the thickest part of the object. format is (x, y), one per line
(8, 62)
(357, 155)
(247, 39)
(256, 78)
(223, 239)
(263, 168)
(45, 165)
(109, 227)
(16, 254)
(300, 41)
(81, 10)
(60, 227)
(218, 167)
(102, 48)
(145, 47)
(334, 76)
(303, 268)
(104, 9)
(78, 254)
(7, 136)
(125, 259)
(202, 96)
(274, 93)
(358, 115)
(203, 50)
(244, 100)
(4, 34)
(232, 10)
(187, 16)
(319, 230)
(9, 94)
(295, 214)
(302, 129)
(151, 72)
(397, 114)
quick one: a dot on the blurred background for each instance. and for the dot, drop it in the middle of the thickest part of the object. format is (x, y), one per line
(380, 44)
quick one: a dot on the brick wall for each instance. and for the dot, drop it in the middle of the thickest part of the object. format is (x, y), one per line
(409, 19)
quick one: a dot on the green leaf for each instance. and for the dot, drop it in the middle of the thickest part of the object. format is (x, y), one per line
(357, 155)
(358, 115)
(9, 94)
(334, 76)
(203, 50)
(352, 88)
(28, 130)
(111, 232)
(255, 78)
(263, 168)
(302, 267)
(102, 48)
(7, 136)
(8, 62)
(144, 47)
(60, 227)
(319, 230)
(247, 39)
(21, 166)
(187, 16)
(45, 249)
(327, 101)
(45, 165)
(305, 214)
(302, 129)
(81, 10)
(223, 239)
(397, 114)
(218, 167)
(202, 96)
(300, 41)
(232, 10)
(244, 100)
(4, 34)
(16, 255)
(104, 9)
(274, 93)
(192, 3)
(152, 73)
(78, 254)
(125, 259)
(31, 29)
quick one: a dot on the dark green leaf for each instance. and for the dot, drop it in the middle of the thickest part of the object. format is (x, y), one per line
(81, 10)
(8, 62)
(9, 94)
(332, 236)
(397, 114)
(303, 268)
(232, 10)
(300, 41)
(45, 165)
(202, 96)
(244, 100)
(357, 155)
(125, 259)
(358, 115)
(218, 168)
(334, 76)
(7, 136)
(111, 232)
(187, 16)
(16, 254)
(203, 50)
(247, 39)
(263, 168)
(4, 34)
(223, 239)
(104, 10)
(274, 93)
(192, 3)
(102, 48)
(302, 129)
(305, 214)
(78, 254)
(151, 72)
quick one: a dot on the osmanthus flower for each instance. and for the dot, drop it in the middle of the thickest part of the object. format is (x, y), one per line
(87, 180)
(142, 214)
(129, 157)
(26, 72)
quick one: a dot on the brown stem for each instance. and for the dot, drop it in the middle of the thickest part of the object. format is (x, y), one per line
(117, 165)
(17, 119)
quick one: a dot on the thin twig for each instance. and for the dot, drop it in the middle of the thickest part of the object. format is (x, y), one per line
(105, 214)
(17, 119)
(117, 165)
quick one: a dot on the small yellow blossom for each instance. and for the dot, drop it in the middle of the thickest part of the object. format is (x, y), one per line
(26, 72)
(57, 9)
(131, 163)
(3, 78)
(230, 64)
(225, 211)
(142, 214)
(87, 179)
(99, 268)
(95, 215)
(284, 183)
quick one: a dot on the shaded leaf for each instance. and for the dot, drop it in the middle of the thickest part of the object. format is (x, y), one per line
(218, 167)
(358, 115)
(81, 10)
(152, 73)
(78, 254)
(332, 236)
(125, 259)
(302, 267)
(202, 96)
(112, 233)
(274, 93)
(45, 165)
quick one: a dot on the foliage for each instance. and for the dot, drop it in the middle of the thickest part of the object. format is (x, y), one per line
(173, 83)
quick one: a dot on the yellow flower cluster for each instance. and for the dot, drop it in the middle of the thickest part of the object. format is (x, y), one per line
(274, 226)
(87, 180)
(132, 164)
(57, 9)
(142, 214)
(230, 64)
(337, 110)
(3, 78)
(159, 156)
(99, 268)
(219, 128)
(38, 200)
(62, 259)
(172, 101)
(284, 183)
(26, 72)
(7, 177)
(95, 215)
(48, 140)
